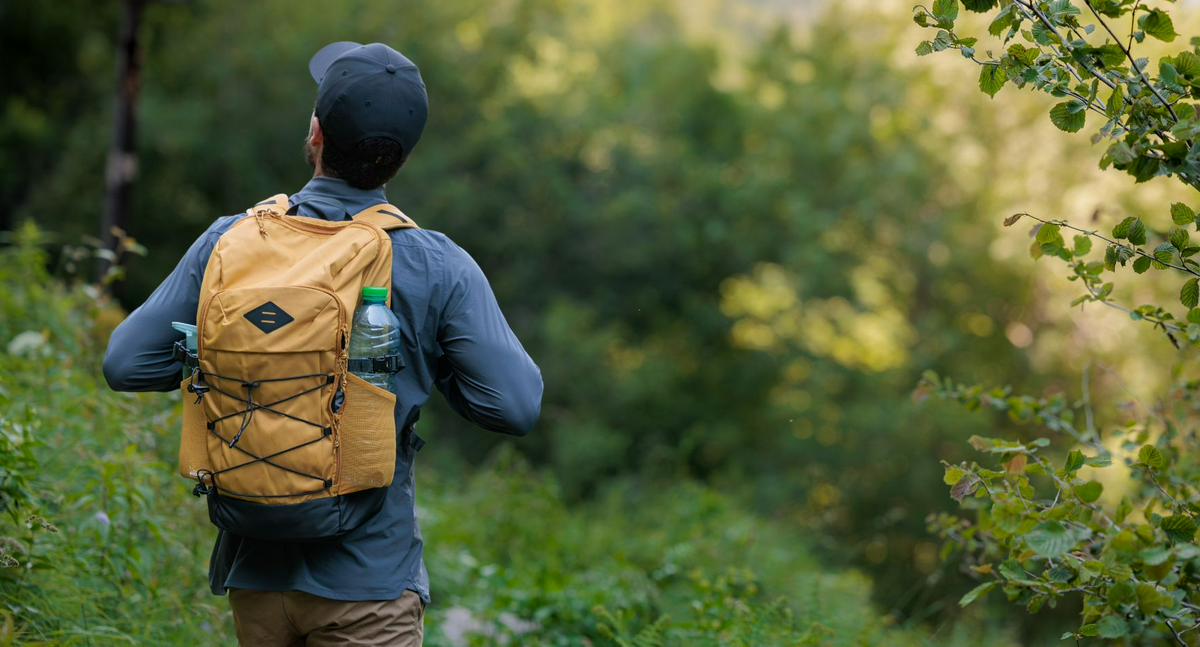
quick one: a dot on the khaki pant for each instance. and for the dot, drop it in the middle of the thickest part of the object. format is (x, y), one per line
(295, 619)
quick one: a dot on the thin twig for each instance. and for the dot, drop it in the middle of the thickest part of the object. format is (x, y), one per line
(1129, 54)
(1096, 234)
(1132, 24)
(1049, 25)
(1178, 638)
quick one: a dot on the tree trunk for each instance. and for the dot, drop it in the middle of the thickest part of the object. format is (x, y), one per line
(122, 156)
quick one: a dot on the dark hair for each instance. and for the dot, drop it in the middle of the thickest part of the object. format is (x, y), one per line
(366, 165)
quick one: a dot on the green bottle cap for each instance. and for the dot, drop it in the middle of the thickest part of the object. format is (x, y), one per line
(375, 295)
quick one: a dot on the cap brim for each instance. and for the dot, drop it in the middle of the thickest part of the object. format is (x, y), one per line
(321, 61)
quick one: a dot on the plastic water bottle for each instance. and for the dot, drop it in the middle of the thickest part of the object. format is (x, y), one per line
(374, 333)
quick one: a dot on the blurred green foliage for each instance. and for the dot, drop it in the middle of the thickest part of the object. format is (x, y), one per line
(732, 248)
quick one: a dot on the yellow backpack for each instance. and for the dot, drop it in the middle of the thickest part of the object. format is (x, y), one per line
(284, 440)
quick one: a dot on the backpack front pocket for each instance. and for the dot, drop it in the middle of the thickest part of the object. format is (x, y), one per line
(269, 362)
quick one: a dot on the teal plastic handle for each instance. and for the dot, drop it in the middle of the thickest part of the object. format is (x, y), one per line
(189, 330)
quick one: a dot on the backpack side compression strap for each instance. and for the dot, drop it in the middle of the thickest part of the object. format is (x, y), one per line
(386, 217)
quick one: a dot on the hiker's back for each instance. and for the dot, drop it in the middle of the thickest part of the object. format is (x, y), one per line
(285, 440)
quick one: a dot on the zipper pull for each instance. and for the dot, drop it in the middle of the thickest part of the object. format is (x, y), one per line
(259, 214)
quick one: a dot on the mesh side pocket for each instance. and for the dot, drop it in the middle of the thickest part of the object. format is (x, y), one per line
(193, 450)
(367, 437)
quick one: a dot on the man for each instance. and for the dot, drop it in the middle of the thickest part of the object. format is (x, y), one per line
(371, 587)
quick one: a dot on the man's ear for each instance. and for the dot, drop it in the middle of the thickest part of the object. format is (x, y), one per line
(315, 136)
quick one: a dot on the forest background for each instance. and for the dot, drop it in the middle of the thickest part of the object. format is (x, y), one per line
(733, 235)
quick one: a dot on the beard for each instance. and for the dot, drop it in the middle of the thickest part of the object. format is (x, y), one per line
(310, 153)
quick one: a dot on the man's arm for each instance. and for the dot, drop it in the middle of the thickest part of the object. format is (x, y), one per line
(486, 375)
(139, 356)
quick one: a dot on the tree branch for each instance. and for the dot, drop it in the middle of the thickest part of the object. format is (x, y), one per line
(1096, 234)
(1129, 55)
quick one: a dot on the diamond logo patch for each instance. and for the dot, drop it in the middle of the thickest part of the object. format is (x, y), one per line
(268, 317)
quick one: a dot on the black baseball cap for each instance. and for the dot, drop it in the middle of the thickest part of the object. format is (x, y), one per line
(368, 91)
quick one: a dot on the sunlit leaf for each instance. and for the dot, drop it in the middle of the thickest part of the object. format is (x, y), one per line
(1179, 527)
(1189, 294)
(1089, 492)
(1069, 116)
(991, 79)
(975, 593)
(1158, 24)
(1152, 457)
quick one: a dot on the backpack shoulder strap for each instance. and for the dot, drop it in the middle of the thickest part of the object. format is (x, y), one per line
(386, 217)
(277, 204)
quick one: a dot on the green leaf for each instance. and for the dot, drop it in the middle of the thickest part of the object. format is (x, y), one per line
(1025, 55)
(1189, 294)
(1069, 116)
(1123, 228)
(1109, 55)
(1123, 510)
(1151, 457)
(979, 6)
(991, 79)
(1179, 238)
(1150, 601)
(1089, 492)
(1188, 64)
(1167, 73)
(1049, 233)
(975, 593)
(1003, 21)
(1112, 627)
(995, 445)
(1121, 153)
(1155, 23)
(1050, 539)
(943, 40)
(1182, 214)
(1141, 264)
(1120, 593)
(925, 48)
(1110, 258)
(1059, 9)
(1074, 461)
(1179, 528)
(1115, 103)
(946, 10)
(1083, 245)
(1144, 168)
(953, 475)
(1035, 250)
(1164, 253)
(1137, 232)
(1155, 555)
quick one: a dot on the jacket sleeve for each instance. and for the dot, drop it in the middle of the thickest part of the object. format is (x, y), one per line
(139, 355)
(485, 374)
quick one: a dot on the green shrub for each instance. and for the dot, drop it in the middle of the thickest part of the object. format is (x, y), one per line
(1039, 527)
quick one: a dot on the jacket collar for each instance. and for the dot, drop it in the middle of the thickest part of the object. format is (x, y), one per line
(331, 198)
